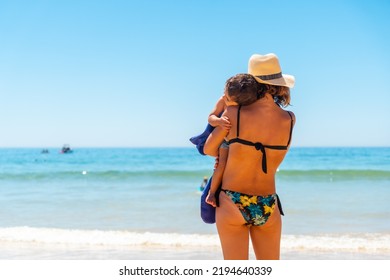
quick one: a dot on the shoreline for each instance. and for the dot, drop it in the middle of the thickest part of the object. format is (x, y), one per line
(24, 243)
(19, 251)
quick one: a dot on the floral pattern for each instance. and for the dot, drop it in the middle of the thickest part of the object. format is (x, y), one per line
(255, 209)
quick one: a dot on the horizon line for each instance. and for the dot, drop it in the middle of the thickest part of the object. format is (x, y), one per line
(168, 147)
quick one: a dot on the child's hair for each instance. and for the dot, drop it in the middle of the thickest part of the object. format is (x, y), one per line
(242, 88)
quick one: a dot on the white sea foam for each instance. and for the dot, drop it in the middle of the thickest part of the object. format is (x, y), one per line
(100, 237)
(368, 242)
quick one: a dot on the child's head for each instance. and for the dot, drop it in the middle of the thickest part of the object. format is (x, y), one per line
(241, 89)
(228, 100)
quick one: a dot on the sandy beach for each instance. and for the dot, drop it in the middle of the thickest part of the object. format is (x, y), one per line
(58, 244)
(42, 252)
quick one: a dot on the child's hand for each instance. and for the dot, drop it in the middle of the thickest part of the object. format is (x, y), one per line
(210, 199)
(224, 122)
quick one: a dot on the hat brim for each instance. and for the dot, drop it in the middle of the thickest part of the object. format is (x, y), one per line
(286, 81)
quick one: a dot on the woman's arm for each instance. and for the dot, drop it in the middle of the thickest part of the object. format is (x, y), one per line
(214, 141)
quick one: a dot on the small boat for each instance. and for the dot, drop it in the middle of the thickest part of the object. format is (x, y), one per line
(66, 149)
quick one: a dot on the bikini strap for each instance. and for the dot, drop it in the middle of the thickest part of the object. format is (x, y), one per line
(291, 128)
(238, 121)
(279, 205)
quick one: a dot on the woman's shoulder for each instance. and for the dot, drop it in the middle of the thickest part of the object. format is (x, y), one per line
(292, 116)
(282, 116)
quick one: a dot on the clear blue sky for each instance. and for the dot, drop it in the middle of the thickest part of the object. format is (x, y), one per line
(147, 73)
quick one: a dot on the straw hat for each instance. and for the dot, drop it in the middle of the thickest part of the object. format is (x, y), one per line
(266, 69)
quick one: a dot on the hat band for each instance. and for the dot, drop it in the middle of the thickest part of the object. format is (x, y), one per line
(270, 77)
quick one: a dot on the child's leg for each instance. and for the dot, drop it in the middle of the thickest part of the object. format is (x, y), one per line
(217, 176)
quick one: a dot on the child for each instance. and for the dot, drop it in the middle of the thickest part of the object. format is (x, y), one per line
(215, 119)
(242, 87)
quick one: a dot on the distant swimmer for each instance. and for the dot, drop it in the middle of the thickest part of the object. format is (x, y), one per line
(203, 184)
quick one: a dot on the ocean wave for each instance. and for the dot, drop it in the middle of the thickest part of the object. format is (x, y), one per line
(337, 174)
(104, 238)
(103, 175)
(364, 242)
(367, 242)
(185, 174)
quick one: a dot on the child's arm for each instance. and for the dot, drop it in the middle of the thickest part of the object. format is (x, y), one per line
(217, 175)
(214, 117)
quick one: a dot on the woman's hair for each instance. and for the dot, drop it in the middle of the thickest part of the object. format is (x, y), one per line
(280, 94)
(244, 89)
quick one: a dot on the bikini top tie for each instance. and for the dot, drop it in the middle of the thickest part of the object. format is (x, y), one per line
(258, 145)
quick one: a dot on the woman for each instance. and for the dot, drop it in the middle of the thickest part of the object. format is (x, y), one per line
(258, 142)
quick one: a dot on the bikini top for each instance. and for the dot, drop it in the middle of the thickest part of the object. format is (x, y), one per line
(258, 145)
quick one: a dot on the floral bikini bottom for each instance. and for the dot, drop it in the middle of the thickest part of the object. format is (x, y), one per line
(255, 209)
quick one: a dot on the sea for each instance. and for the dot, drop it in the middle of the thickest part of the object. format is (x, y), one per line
(144, 203)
